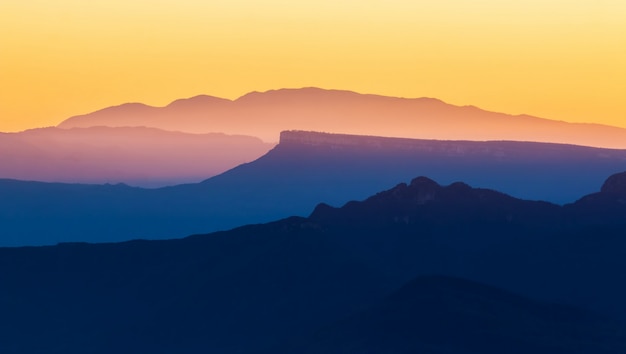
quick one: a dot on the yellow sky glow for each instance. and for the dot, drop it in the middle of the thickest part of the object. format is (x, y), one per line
(559, 59)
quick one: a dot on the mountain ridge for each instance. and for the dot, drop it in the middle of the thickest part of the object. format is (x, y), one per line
(339, 139)
(291, 179)
(266, 114)
(141, 156)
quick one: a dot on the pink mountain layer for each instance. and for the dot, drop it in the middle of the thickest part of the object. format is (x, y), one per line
(146, 157)
(266, 114)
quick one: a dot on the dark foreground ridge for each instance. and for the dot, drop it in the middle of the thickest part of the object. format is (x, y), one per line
(437, 314)
(359, 276)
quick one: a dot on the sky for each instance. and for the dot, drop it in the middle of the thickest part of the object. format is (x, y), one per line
(558, 59)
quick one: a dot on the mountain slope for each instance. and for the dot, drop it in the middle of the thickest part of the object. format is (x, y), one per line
(303, 170)
(573, 252)
(436, 314)
(266, 114)
(255, 288)
(145, 157)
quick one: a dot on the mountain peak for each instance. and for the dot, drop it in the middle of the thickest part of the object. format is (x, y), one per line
(423, 189)
(615, 184)
(424, 182)
(199, 101)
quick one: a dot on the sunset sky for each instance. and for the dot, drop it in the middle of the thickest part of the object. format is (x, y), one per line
(559, 59)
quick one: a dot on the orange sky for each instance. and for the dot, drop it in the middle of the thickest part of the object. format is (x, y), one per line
(559, 59)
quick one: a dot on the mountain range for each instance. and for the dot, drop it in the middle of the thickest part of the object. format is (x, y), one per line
(146, 157)
(519, 247)
(305, 168)
(418, 267)
(266, 114)
(145, 146)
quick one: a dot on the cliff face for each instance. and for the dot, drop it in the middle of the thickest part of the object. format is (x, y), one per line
(300, 137)
(498, 149)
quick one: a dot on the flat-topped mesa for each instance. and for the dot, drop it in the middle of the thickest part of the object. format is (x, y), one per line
(461, 148)
(299, 137)
(317, 138)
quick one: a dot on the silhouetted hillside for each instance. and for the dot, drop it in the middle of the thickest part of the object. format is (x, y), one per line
(303, 170)
(264, 288)
(437, 314)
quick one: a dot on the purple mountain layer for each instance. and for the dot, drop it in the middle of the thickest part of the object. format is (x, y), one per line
(145, 157)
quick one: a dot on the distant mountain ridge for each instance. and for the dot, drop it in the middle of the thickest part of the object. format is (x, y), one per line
(265, 114)
(502, 148)
(139, 156)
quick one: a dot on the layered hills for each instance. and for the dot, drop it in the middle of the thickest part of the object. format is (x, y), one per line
(304, 169)
(265, 114)
(349, 278)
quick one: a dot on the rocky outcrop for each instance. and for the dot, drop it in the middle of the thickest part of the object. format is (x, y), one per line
(616, 184)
